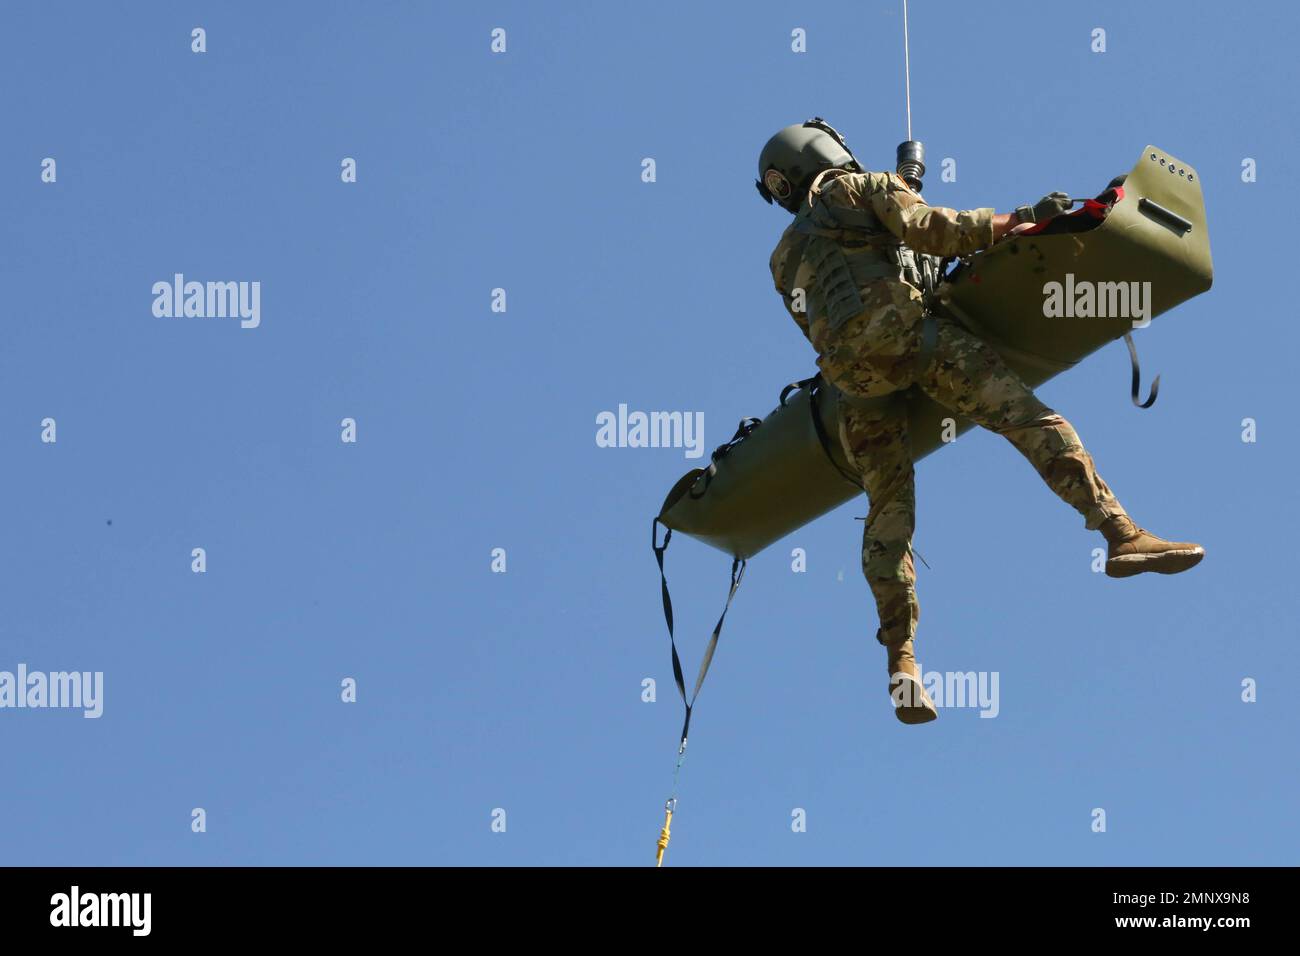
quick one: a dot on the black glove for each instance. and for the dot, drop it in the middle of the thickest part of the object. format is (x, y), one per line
(1049, 207)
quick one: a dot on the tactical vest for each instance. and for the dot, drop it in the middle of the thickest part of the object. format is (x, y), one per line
(843, 249)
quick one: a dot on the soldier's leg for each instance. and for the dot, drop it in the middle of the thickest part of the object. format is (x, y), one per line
(969, 377)
(876, 441)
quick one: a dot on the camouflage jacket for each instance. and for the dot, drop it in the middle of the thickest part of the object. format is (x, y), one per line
(870, 216)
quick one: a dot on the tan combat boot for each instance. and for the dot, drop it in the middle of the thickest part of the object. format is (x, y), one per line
(1134, 550)
(912, 705)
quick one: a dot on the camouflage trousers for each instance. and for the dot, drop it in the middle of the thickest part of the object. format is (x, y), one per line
(876, 354)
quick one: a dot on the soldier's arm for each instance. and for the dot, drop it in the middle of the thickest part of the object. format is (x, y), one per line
(777, 266)
(936, 230)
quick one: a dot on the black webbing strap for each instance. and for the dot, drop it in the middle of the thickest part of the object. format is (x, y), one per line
(737, 574)
(929, 342)
(795, 387)
(824, 439)
(1137, 376)
(814, 386)
(746, 426)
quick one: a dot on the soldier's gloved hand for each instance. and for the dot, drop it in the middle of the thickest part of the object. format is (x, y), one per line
(1047, 208)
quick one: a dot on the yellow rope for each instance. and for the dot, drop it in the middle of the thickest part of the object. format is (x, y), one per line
(663, 835)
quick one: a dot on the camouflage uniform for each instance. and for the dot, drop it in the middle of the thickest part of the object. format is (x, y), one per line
(874, 353)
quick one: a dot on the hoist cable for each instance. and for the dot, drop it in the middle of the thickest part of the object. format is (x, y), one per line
(907, 71)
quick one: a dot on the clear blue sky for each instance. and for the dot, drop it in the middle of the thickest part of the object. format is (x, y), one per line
(477, 431)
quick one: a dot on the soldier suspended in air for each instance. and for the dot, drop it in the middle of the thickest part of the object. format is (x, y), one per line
(851, 270)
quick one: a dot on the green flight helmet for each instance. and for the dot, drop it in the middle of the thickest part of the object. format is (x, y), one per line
(796, 154)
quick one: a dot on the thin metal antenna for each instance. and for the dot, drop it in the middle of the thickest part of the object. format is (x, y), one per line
(907, 71)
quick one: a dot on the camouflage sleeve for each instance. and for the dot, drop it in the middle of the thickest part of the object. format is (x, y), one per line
(777, 265)
(935, 230)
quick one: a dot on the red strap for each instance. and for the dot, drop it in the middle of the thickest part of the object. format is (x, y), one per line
(1091, 207)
